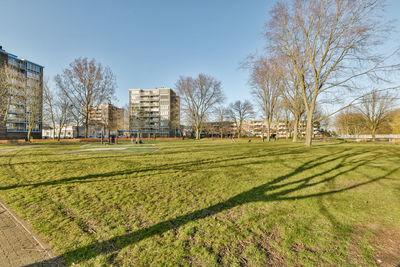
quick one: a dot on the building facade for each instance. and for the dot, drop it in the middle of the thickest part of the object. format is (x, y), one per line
(67, 132)
(24, 98)
(105, 118)
(254, 128)
(154, 112)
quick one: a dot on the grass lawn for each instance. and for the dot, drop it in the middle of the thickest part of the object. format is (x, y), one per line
(210, 203)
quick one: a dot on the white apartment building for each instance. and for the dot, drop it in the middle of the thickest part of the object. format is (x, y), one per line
(154, 111)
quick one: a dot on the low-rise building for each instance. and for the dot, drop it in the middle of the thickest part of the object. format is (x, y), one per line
(67, 132)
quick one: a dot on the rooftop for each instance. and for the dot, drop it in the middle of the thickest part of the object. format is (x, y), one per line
(16, 57)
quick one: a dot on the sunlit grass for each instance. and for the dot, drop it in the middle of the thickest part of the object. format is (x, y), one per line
(207, 202)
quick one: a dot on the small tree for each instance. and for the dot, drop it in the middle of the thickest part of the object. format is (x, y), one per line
(199, 96)
(221, 114)
(266, 88)
(32, 94)
(49, 109)
(375, 109)
(238, 112)
(137, 119)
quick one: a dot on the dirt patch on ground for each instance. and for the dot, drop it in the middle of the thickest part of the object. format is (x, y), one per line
(105, 148)
(387, 245)
(386, 242)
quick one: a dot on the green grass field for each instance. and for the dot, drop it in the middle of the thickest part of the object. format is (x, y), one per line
(210, 203)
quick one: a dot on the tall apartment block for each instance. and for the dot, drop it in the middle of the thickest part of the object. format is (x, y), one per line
(24, 98)
(105, 117)
(154, 112)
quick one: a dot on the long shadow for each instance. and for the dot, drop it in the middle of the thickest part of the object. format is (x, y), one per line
(158, 168)
(256, 194)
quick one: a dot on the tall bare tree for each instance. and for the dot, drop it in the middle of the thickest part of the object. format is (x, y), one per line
(328, 43)
(291, 94)
(49, 109)
(5, 79)
(199, 96)
(266, 88)
(220, 116)
(32, 97)
(375, 109)
(238, 112)
(87, 83)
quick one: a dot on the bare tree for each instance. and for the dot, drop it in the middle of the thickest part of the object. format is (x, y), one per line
(284, 115)
(266, 88)
(395, 122)
(199, 95)
(49, 109)
(375, 109)
(238, 112)
(32, 97)
(349, 122)
(5, 79)
(291, 94)
(126, 117)
(221, 115)
(87, 83)
(138, 118)
(328, 43)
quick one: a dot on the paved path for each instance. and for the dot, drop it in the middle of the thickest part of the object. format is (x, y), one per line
(19, 246)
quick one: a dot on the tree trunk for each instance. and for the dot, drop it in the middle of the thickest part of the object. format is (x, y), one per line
(295, 129)
(59, 134)
(309, 127)
(373, 134)
(86, 129)
(197, 133)
(29, 133)
(268, 130)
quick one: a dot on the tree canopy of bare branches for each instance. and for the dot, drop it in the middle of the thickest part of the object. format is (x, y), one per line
(199, 96)
(86, 83)
(328, 44)
(238, 112)
(57, 109)
(32, 97)
(220, 115)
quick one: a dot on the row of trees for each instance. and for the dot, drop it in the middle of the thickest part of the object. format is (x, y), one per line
(317, 52)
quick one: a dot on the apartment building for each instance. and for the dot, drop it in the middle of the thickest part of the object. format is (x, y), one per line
(154, 112)
(24, 101)
(256, 128)
(105, 118)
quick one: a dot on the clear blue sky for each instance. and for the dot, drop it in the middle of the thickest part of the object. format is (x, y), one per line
(146, 43)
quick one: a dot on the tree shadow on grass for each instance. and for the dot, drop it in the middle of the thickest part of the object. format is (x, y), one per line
(162, 168)
(261, 193)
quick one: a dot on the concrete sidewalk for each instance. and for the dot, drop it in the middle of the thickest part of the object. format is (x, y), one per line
(19, 246)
